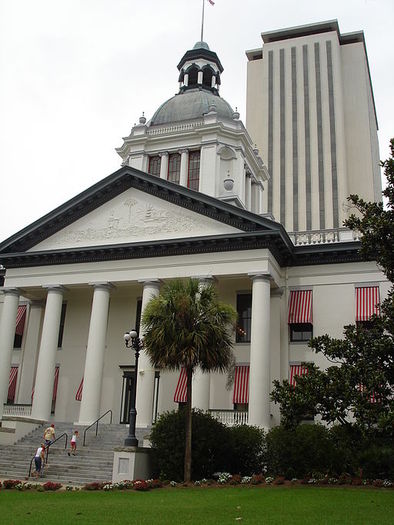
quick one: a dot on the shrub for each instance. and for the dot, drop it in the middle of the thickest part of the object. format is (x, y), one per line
(247, 445)
(210, 445)
(51, 485)
(296, 453)
(11, 483)
(377, 461)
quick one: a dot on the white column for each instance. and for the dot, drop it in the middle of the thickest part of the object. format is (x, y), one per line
(260, 208)
(184, 171)
(164, 165)
(248, 192)
(254, 198)
(7, 335)
(146, 373)
(199, 77)
(95, 353)
(259, 376)
(43, 388)
(201, 380)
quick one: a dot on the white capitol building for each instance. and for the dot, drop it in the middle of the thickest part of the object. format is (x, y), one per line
(195, 197)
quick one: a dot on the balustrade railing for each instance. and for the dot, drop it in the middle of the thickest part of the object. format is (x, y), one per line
(230, 417)
(302, 238)
(17, 410)
(174, 129)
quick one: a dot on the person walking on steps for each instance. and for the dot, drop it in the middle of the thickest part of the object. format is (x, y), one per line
(39, 460)
(49, 435)
(73, 443)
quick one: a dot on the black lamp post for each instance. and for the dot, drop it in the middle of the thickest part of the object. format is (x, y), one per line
(132, 340)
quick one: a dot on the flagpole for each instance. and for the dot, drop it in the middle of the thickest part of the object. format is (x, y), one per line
(202, 21)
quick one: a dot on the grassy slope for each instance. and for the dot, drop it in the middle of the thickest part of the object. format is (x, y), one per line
(272, 505)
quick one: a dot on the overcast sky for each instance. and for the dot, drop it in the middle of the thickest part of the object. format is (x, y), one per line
(75, 75)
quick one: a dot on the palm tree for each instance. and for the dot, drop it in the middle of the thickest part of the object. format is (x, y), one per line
(186, 326)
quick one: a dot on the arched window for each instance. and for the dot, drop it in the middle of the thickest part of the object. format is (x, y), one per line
(193, 76)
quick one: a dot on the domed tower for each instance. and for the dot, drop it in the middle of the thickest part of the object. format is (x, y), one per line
(196, 139)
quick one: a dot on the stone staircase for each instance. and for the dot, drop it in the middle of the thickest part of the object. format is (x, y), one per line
(92, 463)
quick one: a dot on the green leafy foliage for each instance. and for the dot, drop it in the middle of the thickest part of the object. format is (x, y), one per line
(210, 445)
(247, 444)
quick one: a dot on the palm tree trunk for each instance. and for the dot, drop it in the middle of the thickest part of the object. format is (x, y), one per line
(188, 443)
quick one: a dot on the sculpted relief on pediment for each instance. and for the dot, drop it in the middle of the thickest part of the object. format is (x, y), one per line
(131, 217)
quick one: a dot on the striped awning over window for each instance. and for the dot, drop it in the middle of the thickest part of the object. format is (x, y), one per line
(367, 302)
(180, 395)
(78, 395)
(20, 320)
(297, 370)
(241, 384)
(300, 307)
(373, 397)
(55, 384)
(12, 384)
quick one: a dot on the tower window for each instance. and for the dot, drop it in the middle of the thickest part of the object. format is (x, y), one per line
(207, 77)
(154, 165)
(194, 170)
(193, 76)
(174, 167)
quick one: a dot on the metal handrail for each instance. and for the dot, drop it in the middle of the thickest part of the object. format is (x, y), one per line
(96, 423)
(47, 451)
(54, 441)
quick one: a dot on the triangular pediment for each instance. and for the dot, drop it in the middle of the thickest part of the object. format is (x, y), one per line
(134, 216)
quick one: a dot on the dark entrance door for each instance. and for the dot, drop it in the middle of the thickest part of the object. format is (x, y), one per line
(127, 388)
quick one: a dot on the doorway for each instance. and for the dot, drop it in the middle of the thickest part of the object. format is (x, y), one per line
(127, 389)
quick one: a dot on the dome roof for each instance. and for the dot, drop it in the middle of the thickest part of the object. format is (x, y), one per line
(191, 104)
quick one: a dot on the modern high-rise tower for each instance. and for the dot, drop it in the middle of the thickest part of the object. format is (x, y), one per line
(311, 112)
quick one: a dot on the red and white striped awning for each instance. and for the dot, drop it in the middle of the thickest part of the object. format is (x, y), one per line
(241, 384)
(12, 384)
(20, 320)
(180, 395)
(300, 307)
(297, 370)
(367, 302)
(55, 384)
(78, 395)
(373, 398)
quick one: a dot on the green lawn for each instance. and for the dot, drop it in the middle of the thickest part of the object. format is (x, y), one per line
(270, 505)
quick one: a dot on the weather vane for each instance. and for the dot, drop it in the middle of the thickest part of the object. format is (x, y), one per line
(202, 18)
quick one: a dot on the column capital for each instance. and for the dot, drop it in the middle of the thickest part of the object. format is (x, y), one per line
(205, 278)
(265, 276)
(163, 154)
(183, 150)
(152, 281)
(277, 292)
(55, 288)
(102, 285)
(11, 291)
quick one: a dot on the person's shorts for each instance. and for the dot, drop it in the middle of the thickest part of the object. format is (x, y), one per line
(37, 461)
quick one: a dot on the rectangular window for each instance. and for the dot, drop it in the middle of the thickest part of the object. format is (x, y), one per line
(193, 181)
(244, 324)
(138, 316)
(301, 332)
(12, 385)
(367, 303)
(174, 167)
(61, 327)
(154, 165)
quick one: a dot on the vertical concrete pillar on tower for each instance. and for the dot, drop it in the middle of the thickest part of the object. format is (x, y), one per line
(164, 165)
(184, 170)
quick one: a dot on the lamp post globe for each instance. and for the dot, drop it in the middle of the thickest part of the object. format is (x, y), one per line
(132, 341)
